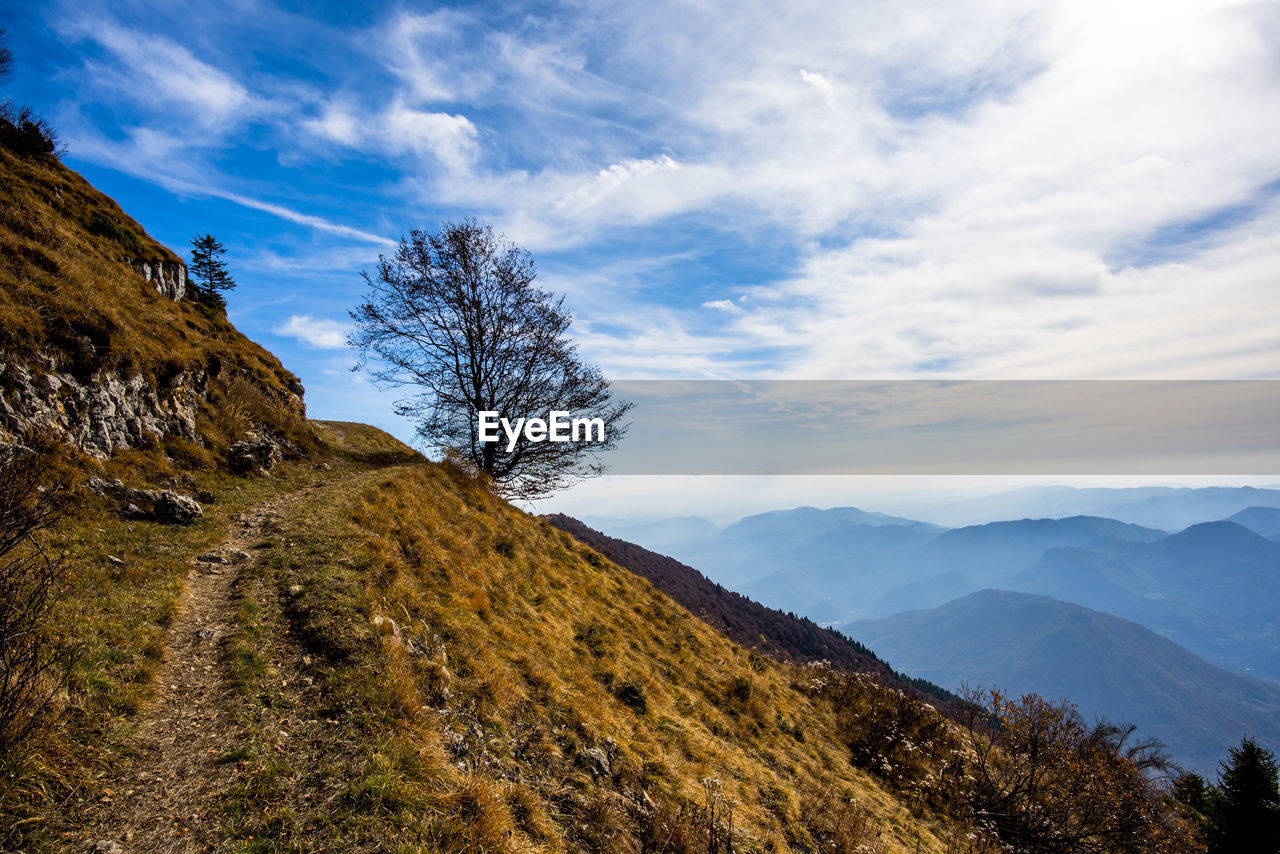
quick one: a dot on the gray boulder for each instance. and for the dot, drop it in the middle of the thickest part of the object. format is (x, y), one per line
(254, 455)
(174, 509)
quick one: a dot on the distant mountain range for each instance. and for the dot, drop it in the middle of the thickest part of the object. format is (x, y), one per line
(807, 560)
(1128, 612)
(1214, 588)
(1163, 507)
(1107, 665)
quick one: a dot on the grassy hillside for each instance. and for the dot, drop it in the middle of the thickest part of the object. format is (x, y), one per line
(495, 662)
(785, 637)
(466, 676)
(67, 294)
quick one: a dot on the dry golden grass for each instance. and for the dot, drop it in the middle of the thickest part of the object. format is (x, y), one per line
(476, 654)
(66, 291)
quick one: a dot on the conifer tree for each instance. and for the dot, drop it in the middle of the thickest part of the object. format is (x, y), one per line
(209, 276)
(1244, 808)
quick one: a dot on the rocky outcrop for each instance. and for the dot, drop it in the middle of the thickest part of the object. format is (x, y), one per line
(257, 454)
(260, 451)
(168, 277)
(104, 414)
(171, 508)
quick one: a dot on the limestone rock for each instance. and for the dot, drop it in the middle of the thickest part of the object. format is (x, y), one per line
(169, 277)
(133, 511)
(102, 414)
(594, 760)
(259, 454)
(174, 509)
(103, 487)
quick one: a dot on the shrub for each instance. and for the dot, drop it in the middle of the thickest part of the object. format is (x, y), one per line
(33, 666)
(27, 134)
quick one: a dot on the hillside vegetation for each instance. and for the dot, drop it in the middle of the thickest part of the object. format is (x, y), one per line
(70, 302)
(783, 636)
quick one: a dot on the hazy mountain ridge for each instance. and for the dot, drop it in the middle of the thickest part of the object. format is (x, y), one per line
(1212, 588)
(1264, 521)
(1107, 665)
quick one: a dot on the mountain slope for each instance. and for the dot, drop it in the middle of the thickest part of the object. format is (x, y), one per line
(782, 636)
(1106, 665)
(97, 342)
(1264, 521)
(1211, 588)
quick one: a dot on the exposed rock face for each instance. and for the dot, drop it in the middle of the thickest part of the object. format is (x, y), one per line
(594, 760)
(169, 277)
(106, 413)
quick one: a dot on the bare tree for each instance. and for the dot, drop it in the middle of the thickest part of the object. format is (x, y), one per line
(6, 60)
(1046, 782)
(455, 315)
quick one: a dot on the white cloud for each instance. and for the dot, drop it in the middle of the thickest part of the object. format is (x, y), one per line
(977, 185)
(157, 69)
(336, 125)
(825, 89)
(975, 189)
(450, 138)
(320, 333)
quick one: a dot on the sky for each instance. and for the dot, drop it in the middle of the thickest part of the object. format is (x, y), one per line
(977, 190)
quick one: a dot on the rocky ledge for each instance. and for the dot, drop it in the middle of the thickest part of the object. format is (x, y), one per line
(104, 414)
(169, 277)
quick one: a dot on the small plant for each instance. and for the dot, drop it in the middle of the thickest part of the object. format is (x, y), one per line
(594, 636)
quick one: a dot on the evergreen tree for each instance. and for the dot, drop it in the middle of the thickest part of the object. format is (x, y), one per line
(1244, 808)
(209, 276)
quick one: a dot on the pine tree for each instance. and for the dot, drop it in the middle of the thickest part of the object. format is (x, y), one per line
(1244, 808)
(209, 276)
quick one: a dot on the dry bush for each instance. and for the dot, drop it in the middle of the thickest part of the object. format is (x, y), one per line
(237, 405)
(898, 738)
(1044, 780)
(33, 665)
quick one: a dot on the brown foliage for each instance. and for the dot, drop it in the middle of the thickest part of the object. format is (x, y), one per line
(1045, 781)
(33, 665)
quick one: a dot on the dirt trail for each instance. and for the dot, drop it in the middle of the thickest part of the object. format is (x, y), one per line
(166, 799)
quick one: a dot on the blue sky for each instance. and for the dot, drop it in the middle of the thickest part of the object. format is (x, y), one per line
(985, 190)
